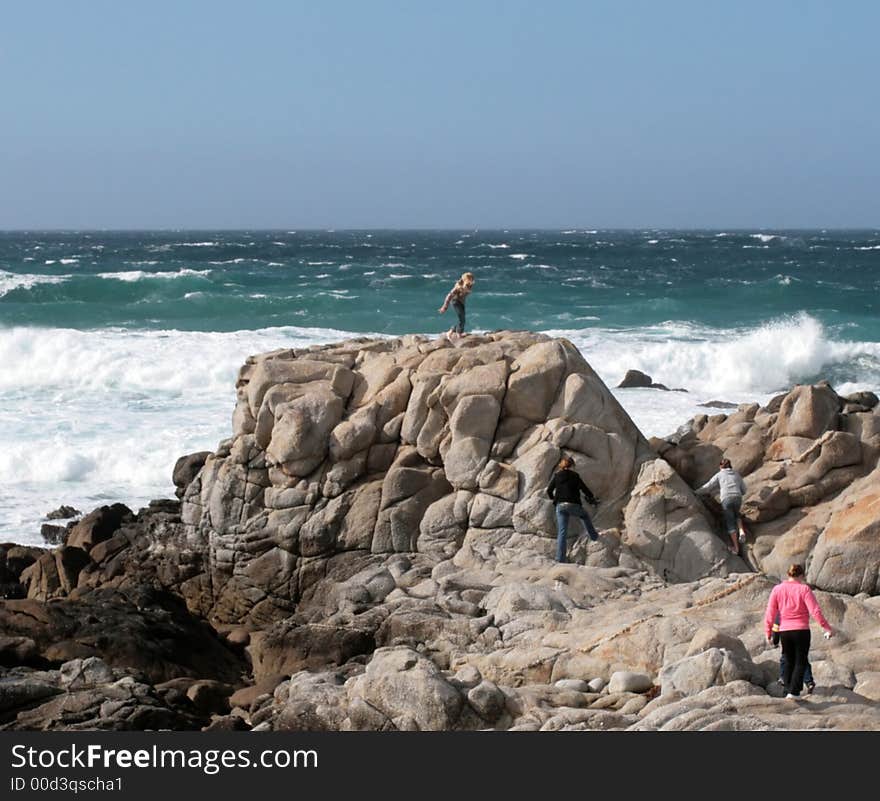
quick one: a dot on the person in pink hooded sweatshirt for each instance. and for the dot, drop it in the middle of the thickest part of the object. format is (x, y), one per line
(794, 602)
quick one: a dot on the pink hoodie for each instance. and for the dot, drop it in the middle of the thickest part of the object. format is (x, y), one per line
(794, 602)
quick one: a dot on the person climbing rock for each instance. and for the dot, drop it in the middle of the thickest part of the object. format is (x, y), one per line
(793, 601)
(456, 297)
(731, 488)
(565, 491)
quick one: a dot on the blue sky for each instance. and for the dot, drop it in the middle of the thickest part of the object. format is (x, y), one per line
(455, 114)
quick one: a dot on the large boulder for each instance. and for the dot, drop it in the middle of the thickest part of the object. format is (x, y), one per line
(98, 526)
(808, 411)
(846, 556)
(709, 668)
(392, 446)
(407, 691)
(667, 528)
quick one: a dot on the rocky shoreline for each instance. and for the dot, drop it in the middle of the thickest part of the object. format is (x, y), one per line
(372, 549)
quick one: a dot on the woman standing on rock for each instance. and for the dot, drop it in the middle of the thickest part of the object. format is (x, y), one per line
(731, 488)
(456, 297)
(794, 602)
(565, 490)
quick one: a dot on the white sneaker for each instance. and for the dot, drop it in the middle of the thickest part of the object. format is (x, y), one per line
(792, 697)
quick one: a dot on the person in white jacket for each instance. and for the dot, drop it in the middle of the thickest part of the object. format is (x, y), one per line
(731, 488)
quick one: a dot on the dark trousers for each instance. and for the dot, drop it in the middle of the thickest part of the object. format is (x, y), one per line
(808, 671)
(563, 512)
(459, 310)
(795, 649)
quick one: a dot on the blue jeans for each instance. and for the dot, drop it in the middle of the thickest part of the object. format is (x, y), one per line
(563, 512)
(458, 306)
(731, 507)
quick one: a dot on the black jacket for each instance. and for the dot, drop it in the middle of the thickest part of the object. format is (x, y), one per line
(566, 487)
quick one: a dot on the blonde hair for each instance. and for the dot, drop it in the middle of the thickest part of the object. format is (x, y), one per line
(565, 462)
(796, 570)
(467, 278)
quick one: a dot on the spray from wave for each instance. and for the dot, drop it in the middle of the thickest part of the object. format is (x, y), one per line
(758, 360)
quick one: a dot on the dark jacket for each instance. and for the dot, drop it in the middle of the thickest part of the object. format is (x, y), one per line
(566, 487)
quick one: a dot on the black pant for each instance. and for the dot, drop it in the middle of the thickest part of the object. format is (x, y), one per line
(795, 649)
(459, 310)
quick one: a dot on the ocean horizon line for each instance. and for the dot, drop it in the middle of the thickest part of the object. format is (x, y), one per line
(446, 229)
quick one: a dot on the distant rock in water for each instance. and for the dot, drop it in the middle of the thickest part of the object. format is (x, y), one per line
(718, 404)
(63, 512)
(638, 379)
(635, 378)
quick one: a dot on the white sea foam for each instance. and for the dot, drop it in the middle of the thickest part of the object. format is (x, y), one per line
(868, 247)
(519, 256)
(766, 237)
(11, 281)
(68, 261)
(730, 365)
(90, 417)
(502, 246)
(711, 361)
(196, 244)
(130, 276)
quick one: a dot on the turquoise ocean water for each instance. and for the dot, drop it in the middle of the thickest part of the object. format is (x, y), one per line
(119, 349)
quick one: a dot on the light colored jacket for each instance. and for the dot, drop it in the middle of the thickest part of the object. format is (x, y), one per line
(728, 482)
